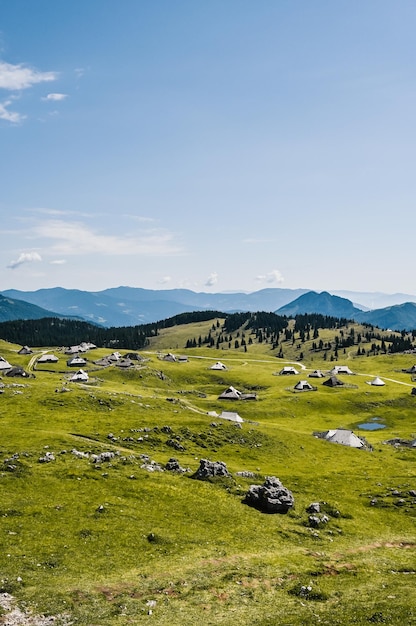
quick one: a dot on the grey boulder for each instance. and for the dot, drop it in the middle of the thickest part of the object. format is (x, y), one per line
(270, 497)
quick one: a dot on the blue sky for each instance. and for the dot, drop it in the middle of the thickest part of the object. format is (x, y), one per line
(214, 145)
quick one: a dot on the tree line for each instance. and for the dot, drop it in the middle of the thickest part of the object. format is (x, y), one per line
(54, 331)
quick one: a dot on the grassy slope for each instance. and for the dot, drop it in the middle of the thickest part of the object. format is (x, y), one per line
(101, 541)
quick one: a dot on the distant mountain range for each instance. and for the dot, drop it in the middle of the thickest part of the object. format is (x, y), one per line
(131, 306)
(11, 309)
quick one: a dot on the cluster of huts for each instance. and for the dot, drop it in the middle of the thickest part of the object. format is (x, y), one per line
(332, 379)
(340, 435)
(124, 362)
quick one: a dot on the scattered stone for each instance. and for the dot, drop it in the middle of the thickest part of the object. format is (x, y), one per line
(151, 466)
(210, 469)
(246, 474)
(317, 521)
(79, 454)
(271, 497)
(314, 507)
(173, 466)
(174, 443)
(13, 616)
(103, 456)
(47, 458)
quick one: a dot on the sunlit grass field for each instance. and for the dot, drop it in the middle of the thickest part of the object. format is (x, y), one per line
(111, 542)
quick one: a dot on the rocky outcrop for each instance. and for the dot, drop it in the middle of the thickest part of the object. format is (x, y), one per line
(173, 465)
(211, 469)
(271, 497)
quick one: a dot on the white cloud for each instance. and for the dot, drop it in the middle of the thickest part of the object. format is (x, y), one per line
(72, 238)
(55, 97)
(59, 212)
(165, 280)
(58, 262)
(10, 116)
(25, 257)
(17, 77)
(272, 277)
(211, 280)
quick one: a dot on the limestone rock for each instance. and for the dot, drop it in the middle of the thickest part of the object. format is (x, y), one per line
(271, 497)
(210, 469)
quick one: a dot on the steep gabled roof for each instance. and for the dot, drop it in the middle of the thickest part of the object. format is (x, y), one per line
(218, 366)
(333, 381)
(4, 365)
(344, 437)
(303, 385)
(316, 374)
(17, 371)
(25, 350)
(341, 369)
(75, 361)
(48, 358)
(104, 361)
(230, 394)
(376, 382)
(288, 370)
(231, 416)
(79, 375)
(125, 363)
(134, 356)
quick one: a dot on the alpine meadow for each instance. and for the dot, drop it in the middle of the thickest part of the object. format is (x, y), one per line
(107, 519)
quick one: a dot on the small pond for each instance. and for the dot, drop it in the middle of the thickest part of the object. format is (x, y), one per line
(373, 424)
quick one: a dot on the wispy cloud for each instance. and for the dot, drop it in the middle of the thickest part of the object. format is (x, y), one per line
(164, 280)
(15, 78)
(10, 116)
(25, 257)
(58, 262)
(59, 212)
(274, 276)
(55, 97)
(72, 238)
(18, 77)
(211, 280)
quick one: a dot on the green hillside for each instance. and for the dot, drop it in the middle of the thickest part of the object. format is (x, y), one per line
(113, 540)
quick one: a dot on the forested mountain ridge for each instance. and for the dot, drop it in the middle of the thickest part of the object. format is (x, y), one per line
(14, 309)
(52, 331)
